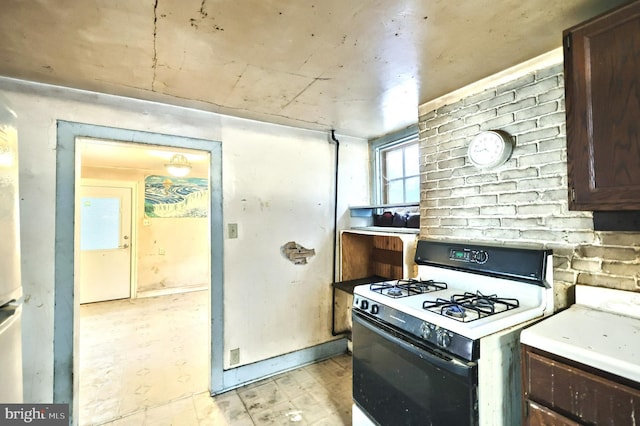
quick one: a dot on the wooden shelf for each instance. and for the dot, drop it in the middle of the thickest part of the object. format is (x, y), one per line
(369, 256)
(348, 286)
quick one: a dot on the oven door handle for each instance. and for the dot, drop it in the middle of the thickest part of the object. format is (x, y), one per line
(451, 364)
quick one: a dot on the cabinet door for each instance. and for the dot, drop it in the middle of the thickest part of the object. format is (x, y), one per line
(602, 59)
(578, 394)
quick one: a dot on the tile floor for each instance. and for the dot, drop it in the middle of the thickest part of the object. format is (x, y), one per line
(144, 362)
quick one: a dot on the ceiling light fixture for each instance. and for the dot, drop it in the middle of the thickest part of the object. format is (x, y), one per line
(178, 165)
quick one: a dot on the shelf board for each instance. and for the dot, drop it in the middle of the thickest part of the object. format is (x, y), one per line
(386, 229)
(349, 285)
(385, 206)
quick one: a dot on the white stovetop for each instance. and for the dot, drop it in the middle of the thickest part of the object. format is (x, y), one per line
(590, 333)
(535, 302)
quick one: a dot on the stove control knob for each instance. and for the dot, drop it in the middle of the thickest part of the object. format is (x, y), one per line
(426, 330)
(481, 256)
(364, 304)
(443, 339)
(375, 309)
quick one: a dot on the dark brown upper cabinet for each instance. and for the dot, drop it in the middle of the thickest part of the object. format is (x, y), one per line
(602, 84)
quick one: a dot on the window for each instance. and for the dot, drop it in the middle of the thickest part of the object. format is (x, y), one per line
(397, 167)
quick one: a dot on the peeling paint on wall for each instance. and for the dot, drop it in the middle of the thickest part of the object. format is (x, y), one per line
(296, 253)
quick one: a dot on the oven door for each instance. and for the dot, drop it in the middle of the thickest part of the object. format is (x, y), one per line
(398, 380)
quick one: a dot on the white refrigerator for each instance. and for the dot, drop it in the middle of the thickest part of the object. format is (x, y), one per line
(11, 388)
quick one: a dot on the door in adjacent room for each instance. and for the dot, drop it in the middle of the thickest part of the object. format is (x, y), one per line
(104, 242)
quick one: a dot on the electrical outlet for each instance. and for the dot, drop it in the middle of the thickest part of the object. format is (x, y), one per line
(233, 230)
(234, 356)
(161, 251)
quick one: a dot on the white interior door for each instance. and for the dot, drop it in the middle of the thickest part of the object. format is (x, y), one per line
(105, 243)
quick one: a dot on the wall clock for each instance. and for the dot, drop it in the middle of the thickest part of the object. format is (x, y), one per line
(490, 149)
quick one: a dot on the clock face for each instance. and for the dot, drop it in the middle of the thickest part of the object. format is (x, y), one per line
(489, 149)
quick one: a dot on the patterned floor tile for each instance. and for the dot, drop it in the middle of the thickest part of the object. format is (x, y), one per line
(136, 374)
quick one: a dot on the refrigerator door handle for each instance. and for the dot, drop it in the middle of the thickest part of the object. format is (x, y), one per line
(9, 314)
(11, 378)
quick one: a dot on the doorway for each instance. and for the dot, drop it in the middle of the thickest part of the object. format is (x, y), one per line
(124, 365)
(66, 316)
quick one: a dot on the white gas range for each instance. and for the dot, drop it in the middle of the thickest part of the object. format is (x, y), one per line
(456, 325)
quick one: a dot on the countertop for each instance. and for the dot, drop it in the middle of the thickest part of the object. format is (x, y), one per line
(588, 335)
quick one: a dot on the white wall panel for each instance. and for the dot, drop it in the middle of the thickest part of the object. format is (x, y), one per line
(278, 187)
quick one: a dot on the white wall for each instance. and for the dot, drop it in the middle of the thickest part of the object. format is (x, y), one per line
(277, 185)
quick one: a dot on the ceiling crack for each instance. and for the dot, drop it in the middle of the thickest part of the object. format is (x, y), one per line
(315, 79)
(155, 50)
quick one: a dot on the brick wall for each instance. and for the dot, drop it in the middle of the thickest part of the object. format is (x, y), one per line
(525, 200)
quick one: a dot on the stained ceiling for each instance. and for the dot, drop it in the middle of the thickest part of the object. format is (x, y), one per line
(359, 67)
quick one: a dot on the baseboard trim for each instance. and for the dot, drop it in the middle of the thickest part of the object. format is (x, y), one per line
(167, 291)
(245, 374)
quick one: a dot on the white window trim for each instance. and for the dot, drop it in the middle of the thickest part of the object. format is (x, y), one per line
(376, 146)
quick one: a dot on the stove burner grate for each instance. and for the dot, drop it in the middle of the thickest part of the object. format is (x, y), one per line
(468, 307)
(408, 287)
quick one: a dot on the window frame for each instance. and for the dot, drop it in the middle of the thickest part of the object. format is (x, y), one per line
(377, 146)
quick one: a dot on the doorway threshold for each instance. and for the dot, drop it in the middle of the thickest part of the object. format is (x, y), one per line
(173, 290)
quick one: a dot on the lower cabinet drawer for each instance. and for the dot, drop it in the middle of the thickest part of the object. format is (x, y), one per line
(539, 415)
(578, 394)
